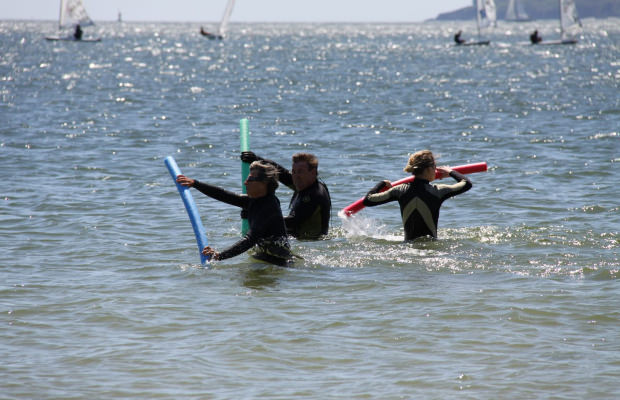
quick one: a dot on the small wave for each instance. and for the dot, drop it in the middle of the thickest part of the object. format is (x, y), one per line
(603, 135)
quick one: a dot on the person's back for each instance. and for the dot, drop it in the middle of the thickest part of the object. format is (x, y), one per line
(457, 38)
(78, 32)
(420, 200)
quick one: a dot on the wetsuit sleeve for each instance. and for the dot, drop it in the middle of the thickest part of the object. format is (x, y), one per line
(374, 197)
(241, 246)
(463, 185)
(284, 175)
(222, 195)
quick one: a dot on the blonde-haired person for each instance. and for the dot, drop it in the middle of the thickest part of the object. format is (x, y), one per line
(419, 200)
(263, 211)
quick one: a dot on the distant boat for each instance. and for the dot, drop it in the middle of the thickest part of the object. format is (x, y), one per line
(223, 27)
(516, 11)
(73, 14)
(570, 25)
(486, 17)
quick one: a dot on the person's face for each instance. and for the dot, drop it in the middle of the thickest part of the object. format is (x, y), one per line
(303, 175)
(255, 186)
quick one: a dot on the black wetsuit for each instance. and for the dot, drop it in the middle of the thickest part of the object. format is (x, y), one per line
(309, 210)
(78, 33)
(457, 38)
(535, 38)
(266, 231)
(419, 202)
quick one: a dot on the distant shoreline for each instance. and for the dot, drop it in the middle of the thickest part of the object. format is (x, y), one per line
(440, 18)
(541, 10)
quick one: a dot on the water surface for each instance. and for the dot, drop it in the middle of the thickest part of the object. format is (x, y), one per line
(102, 292)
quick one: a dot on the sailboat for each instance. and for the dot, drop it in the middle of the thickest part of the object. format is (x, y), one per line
(73, 14)
(516, 11)
(570, 25)
(486, 16)
(223, 27)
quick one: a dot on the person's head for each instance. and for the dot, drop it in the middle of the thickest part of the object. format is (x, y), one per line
(305, 170)
(422, 164)
(263, 179)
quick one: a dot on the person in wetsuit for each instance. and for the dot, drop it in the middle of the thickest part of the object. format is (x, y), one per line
(310, 206)
(535, 38)
(419, 200)
(267, 232)
(457, 38)
(209, 34)
(77, 35)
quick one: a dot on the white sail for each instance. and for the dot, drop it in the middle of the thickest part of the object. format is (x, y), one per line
(569, 20)
(486, 15)
(72, 12)
(516, 11)
(226, 17)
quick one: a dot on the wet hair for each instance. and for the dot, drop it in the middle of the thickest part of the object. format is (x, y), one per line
(267, 173)
(419, 162)
(311, 159)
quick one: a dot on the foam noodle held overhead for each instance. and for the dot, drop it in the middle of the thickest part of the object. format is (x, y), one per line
(358, 205)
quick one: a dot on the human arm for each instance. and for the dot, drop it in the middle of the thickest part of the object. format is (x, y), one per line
(261, 227)
(463, 184)
(284, 175)
(265, 220)
(214, 191)
(380, 194)
(241, 246)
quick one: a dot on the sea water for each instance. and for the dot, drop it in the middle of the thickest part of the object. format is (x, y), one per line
(102, 294)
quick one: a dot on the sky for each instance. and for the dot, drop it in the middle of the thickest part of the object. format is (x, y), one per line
(244, 11)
